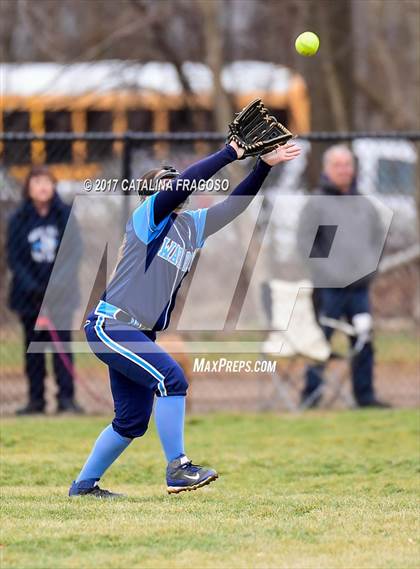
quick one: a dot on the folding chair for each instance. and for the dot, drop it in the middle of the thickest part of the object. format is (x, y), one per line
(302, 340)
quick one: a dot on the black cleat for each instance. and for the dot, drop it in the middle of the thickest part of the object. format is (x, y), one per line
(31, 409)
(182, 475)
(86, 488)
(70, 407)
(376, 403)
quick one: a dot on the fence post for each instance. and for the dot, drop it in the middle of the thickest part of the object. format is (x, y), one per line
(126, 174)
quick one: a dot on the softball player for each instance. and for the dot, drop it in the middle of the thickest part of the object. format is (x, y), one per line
(158, 250)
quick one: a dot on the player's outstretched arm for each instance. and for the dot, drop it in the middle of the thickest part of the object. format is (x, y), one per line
(168, 200)
(223, 213)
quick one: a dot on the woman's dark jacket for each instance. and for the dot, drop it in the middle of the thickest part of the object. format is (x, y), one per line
(33, 243)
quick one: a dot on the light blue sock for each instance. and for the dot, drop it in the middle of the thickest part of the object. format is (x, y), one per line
(107, 448)
(169, 418)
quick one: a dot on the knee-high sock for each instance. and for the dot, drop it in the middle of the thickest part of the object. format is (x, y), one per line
(107, 448)
(169, 418)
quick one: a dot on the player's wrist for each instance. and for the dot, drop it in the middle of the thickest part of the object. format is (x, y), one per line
(238, 150)
(265, 159)
(262, 164)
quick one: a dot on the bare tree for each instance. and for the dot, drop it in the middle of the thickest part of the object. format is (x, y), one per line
(214, 56)
(366, 75)
(388, 65)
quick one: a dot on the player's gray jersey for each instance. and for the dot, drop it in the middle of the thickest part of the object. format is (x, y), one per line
(154, 262)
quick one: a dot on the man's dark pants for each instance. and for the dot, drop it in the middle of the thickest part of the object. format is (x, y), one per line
(35, 365)
(345, 302)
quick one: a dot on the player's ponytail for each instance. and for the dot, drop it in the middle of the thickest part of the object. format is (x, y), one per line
(119, 255)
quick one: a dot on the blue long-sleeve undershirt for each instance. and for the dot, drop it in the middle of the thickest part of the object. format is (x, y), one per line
(224, 212)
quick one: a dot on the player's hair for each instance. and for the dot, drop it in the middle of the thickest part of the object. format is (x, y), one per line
(119, 255)
(36, 172)
(151, 178)
(150, 174)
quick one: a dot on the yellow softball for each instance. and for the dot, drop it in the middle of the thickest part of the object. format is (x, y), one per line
(307, 44)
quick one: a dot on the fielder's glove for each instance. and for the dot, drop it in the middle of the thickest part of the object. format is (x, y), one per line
(257, 132)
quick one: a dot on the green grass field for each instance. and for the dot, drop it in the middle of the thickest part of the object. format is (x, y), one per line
(334, 490)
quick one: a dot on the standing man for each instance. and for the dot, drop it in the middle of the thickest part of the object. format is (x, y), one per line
(34, 235)
(352, 301)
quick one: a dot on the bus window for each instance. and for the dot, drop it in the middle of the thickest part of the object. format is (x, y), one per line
(140, 120)
(57, 151)
(99, 121)
(281, 115)
(205, 120)
(180, 120)
(191, 120)
(16, 152)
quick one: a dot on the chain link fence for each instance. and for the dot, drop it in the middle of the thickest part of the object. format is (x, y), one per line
(387, 170)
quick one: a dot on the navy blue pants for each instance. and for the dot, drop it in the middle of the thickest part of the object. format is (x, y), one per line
(347, 302)
(139, 369)
(35, 365)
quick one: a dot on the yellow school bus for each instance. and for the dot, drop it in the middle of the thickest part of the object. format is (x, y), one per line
(119, 96)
